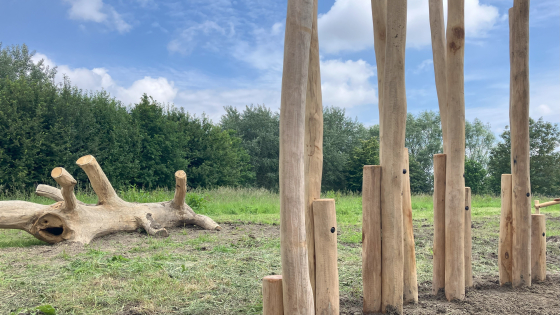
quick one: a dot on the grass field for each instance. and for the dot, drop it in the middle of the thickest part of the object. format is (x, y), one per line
(206, 272)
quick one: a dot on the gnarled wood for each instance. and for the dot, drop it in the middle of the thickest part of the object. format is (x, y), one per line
(71, 220)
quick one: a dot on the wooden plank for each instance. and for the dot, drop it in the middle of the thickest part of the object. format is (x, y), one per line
(371, 239)
(438, 275)
(298, 295)
(538, 247)
(410, 278)
(272, 295)
(379, 16)
(328, 299)
(468, 239)
(506, 232)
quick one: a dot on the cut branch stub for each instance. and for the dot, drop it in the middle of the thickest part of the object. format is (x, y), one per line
(180, 189)
(101, 185)
(67, 182)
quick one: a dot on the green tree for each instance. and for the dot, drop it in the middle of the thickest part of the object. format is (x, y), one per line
(475, 176)
(479, 140)
(365, 154)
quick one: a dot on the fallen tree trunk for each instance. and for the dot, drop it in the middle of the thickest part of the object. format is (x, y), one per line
(72, 220)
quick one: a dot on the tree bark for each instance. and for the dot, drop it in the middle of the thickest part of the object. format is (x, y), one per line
(71, 220)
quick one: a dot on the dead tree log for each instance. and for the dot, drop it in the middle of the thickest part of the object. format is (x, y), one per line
(71, 220)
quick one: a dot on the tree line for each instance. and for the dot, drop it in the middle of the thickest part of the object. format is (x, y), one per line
(44, 125)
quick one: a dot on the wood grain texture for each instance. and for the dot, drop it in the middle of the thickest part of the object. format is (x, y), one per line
(327, 294)
(392, 143)
(371, 239)
(410, 278)
(272, 295)
(313, 142)
(298, 295)
(506, 232)
(455, 190)
(438, 275)
(538, 247)
(468, 239)
(437, 29)
(379, 16)
(519, 124)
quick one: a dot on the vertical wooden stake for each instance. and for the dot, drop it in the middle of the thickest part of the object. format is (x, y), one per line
(371, 238)
(410, 283)
(455, 190)
(326, 288)
(438, 277)
(537, 208)
(506, 232)
(519, 124)
(313, 143)
(298, 295)
(468, 239)
(379, 15)
(272, 295)
(437, 29)
(392, 143)
(538, 247)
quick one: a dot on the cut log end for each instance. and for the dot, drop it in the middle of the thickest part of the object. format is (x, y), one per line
(85, 160)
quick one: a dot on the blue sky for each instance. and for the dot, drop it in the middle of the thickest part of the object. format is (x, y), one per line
(203, 55)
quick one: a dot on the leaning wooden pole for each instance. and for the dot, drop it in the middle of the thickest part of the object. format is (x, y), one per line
(313, 142)
(506, 233)
(371, 239)
(438, 275)
(410, 283)
(519, 124)
(437, 29)
(468, 239)
(392, 144)
(455, 190)
(298, 295)
(379, 16)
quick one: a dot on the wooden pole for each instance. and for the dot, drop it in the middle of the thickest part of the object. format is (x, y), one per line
(328, 299)
(455, 190)
(538, 247)
(371, 239)
(410, 283)
(313, 143)
(468, 239)
(438, 277)
(392, 143)
(537, 208)
(272, 295)
(379, 15)
(546, 204)
(437, 29)
(506, 232)
(519, 124)
(298, 295)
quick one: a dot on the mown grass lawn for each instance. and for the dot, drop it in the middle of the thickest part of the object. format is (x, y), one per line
(204, 272)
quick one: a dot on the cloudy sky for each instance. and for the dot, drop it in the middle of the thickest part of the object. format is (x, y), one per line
(203, 55)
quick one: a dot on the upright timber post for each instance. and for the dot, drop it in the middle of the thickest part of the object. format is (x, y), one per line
(468, 239)
(455, 190)
(298, 295)
(379, 15)
(437, 30)
(272, 295)
(538, 247)
(410, 278)
(392, 146)
(519, 124)
(504, 245)
(438, 276)
(313, 143)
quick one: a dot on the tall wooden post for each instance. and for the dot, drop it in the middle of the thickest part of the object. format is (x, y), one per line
(272, 295)
(379, 15)
(455, 190)
(371, 239)
(298, 295)
(410, 283)
(468, 239)
(392, 144)
(327, 296)
(506, 233)
(519, 124)
(538, 247)
(313, 143)
(437, 29)
(438, 276)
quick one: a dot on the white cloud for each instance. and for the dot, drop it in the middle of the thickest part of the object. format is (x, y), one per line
(424, 65)
(346, 83)
(348, 25)
(159, 88)
(99, 12)
(189, 37)
(265, 50)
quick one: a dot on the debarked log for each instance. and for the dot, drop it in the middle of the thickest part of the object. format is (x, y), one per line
(72, 220)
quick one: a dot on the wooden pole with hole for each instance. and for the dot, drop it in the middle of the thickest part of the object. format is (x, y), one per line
(538, 247)
(371, 239)
(272, 295)
(298, 295)
(410, 283)
(392, 144)
(519, 124)
(455, 167)
(379, 16)
(438, 275)
(313, 143)
(506, 233)
(468, 239)
(437, 30)
(326, 290)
